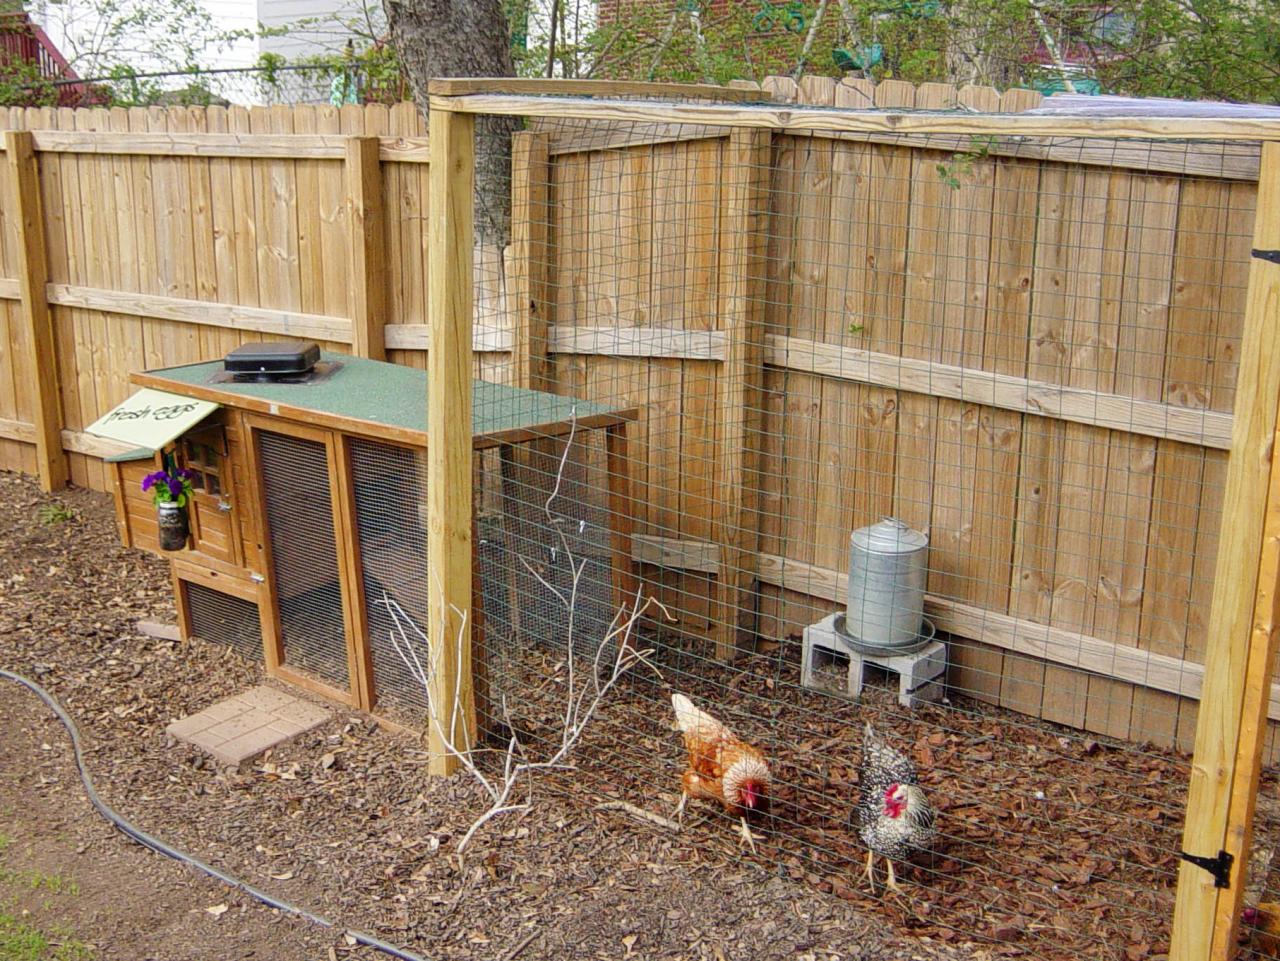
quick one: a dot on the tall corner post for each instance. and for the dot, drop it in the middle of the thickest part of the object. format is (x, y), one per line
(1242, 619)
(40, 361)
(527, 284)
(367, 293)
(452, 725)
(735, 525)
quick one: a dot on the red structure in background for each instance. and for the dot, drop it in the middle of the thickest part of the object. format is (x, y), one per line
(23, 42)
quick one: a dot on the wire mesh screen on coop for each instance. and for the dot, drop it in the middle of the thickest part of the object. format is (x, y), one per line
(1024, 349)
(520, 540)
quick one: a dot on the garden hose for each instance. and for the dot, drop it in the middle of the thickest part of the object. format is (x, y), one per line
(155, 844)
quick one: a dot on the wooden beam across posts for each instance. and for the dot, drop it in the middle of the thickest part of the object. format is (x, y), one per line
(449, 514)
(530, 220)
(41, 361)
(734, 527)
(788, 118)
(368, 285)
(1241, 628)
(547, 87)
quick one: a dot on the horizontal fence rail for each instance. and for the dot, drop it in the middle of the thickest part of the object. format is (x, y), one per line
(1001, 327)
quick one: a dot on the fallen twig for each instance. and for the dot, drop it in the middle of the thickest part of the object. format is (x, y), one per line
(520, 947)
(641, 813)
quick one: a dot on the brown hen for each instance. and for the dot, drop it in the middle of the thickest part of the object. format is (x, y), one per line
(722, 766)
(1264, 922)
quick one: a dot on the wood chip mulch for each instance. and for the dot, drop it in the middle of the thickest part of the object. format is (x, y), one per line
(1055, 845)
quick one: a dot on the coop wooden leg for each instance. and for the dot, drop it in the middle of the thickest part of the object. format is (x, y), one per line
(512, 521)
(620, 510)
(485, 715)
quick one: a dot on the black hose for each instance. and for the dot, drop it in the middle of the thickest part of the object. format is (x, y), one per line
(155, 844)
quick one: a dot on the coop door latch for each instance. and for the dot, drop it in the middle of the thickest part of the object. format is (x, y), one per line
(1272, 256)
(1219, 866)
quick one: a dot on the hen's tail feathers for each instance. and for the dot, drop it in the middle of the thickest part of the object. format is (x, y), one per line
(691, 720)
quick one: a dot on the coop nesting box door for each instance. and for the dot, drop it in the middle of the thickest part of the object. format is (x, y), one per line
(297, 489)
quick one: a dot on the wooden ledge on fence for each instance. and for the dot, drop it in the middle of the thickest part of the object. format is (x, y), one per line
(796, 118)
(464, 86)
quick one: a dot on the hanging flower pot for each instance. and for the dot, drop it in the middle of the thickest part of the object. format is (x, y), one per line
(170, 492)
(174, 528)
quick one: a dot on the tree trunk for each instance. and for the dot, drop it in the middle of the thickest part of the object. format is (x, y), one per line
(463, 38)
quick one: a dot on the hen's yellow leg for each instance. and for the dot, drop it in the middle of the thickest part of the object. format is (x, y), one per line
(892, 883)
(748, 838)
(684, 799)
(870, 872)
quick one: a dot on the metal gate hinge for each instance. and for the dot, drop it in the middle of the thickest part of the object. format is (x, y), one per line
(1219, 866)
(1269, 255)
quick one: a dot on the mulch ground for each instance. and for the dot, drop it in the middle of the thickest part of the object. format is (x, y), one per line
(345, 821)
(1054, 845)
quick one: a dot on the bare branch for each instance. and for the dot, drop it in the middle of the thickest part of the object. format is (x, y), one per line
(582, 701)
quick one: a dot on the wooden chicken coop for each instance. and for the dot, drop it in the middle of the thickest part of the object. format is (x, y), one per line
(309, 513)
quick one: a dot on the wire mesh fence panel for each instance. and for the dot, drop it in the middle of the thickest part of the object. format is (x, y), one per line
(337, 82)
(304, 557)
(1022, 349)
(393, 562)
(223, 619)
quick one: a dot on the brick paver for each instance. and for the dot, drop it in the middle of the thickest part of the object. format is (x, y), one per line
(244, 726)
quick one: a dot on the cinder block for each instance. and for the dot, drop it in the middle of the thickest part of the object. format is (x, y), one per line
(921, 674)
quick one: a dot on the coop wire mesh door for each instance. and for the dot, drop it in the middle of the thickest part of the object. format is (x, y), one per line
(298, 488)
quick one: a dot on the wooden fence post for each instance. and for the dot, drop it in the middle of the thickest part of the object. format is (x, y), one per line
(527, 282)
(368, 290)
(33, 275)
(1233, 703)
(735, 529)
(449, 442)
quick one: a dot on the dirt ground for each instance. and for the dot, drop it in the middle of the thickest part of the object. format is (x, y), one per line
(66, 872)
(344, 821)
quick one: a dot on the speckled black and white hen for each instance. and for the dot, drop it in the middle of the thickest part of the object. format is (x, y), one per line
(894, 816)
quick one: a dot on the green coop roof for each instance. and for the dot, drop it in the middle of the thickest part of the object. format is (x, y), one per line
(373, 398)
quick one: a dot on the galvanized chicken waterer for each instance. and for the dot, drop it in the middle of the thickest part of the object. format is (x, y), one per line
(885, 601)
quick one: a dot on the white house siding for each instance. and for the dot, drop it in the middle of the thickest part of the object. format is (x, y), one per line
(232, 15)
(315, 29)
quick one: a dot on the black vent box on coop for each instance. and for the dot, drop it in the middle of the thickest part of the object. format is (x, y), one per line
(289, 357)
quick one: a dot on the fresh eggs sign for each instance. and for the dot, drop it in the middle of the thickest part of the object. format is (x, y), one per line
(151, 418)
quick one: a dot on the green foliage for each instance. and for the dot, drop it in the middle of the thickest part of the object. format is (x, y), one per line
(22, 86)
(1192, 49)
(1220, 49)
(20, 941)
(49, 514)
(39, 881)
(105, 37)
(960, 167)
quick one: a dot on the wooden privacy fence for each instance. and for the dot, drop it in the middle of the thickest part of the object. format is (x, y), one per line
(141, 238)
(134, 239)
(1006, 355)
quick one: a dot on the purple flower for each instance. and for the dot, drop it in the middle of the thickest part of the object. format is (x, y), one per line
(175, 487)
(151, 480)
(186, 474)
